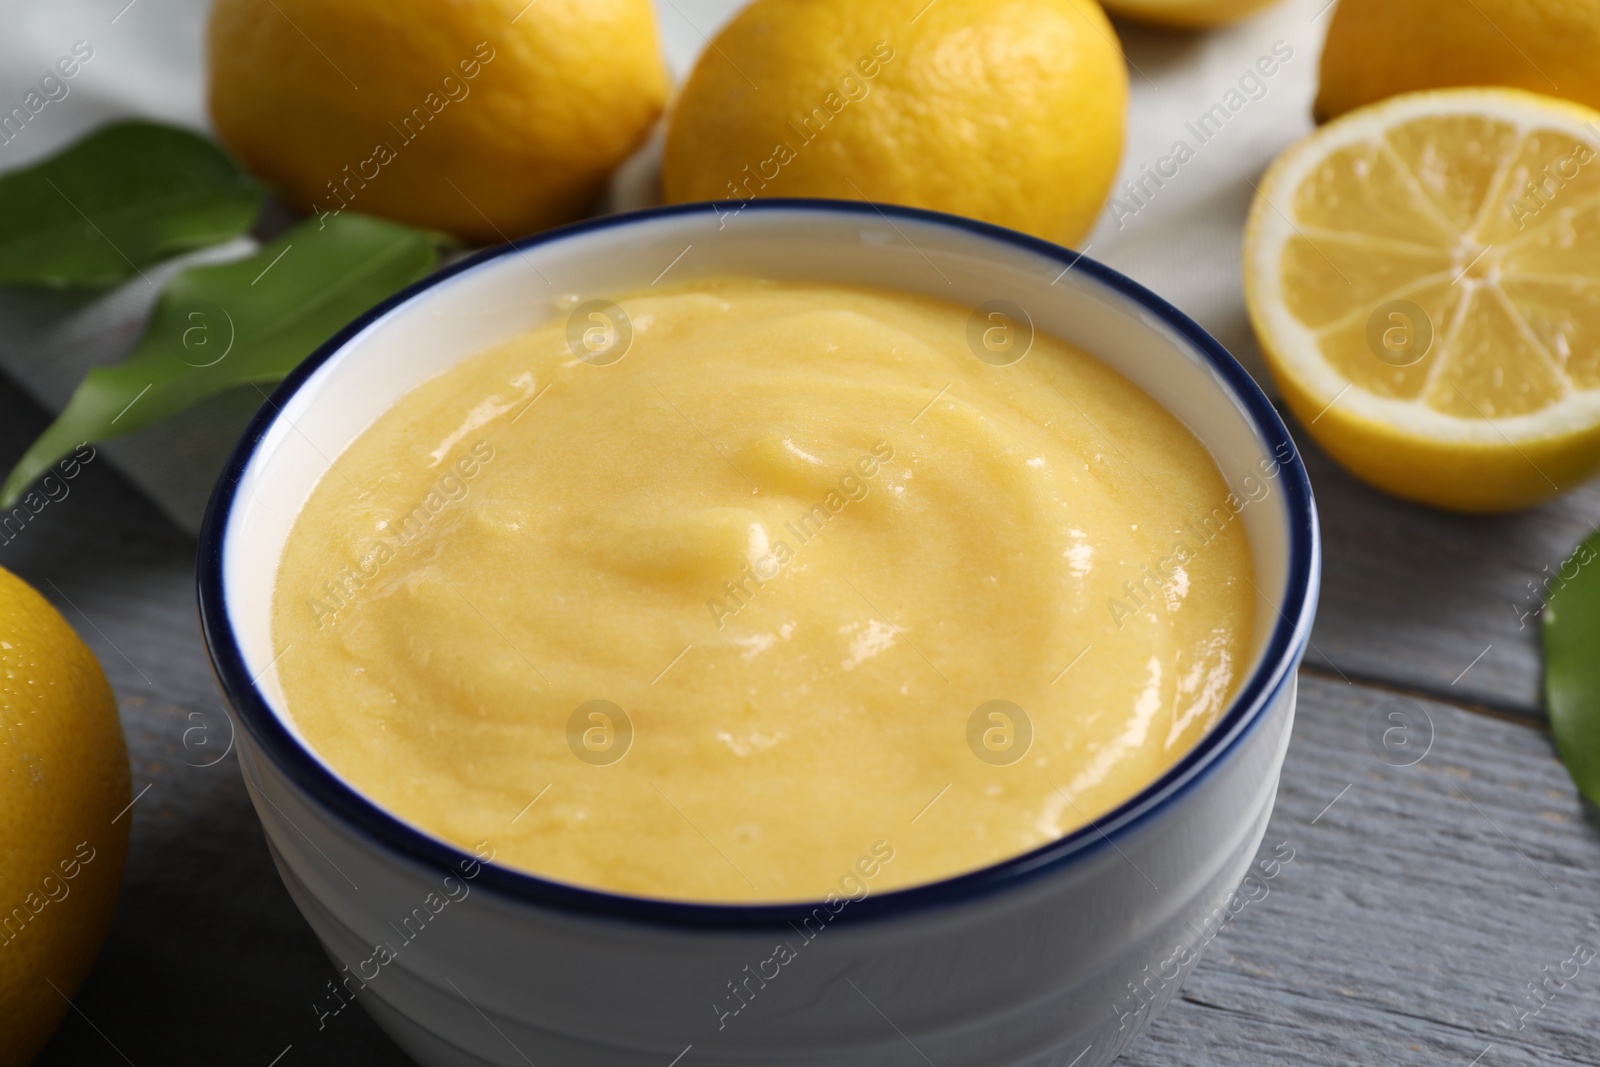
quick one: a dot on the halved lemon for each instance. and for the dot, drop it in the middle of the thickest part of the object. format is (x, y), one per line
(1424, 278)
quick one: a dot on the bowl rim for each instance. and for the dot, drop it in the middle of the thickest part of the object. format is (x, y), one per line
(1260, 691)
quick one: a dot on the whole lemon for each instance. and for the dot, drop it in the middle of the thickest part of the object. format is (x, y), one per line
(1009, 111)
(488, 119)
(1187, 14)
(63, 782)
(1380, 48)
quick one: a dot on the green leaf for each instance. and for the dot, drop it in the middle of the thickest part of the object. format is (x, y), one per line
(1572, 665)
(244, 323)
(118, 200)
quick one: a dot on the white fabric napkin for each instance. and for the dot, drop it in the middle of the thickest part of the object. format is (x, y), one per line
(1208, 112)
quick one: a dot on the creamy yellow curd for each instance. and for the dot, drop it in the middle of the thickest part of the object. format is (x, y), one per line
(780, 591)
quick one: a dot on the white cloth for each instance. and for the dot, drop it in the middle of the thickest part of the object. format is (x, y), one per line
(1179, 235)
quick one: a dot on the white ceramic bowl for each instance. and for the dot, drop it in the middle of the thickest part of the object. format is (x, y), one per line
(1057, 957)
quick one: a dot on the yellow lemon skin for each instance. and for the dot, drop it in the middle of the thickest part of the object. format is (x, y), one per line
(486, 119)
(63, 779)
(1474, 479)
(1380, 48)
(1009, 112)
(1186, 14)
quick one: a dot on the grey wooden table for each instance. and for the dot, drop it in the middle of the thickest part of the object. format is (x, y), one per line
(1422, 904)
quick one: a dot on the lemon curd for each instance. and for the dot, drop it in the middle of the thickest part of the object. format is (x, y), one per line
(752, 591)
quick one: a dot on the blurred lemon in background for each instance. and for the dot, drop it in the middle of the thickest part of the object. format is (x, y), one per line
(63, 778)
(1424, 277)
(1007, 112)
(1378, 48)
(488, 119)
(1186, 13)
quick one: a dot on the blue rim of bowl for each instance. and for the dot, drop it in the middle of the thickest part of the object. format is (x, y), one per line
(1291, 632)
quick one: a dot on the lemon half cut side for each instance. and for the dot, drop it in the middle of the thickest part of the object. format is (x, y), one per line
(1424, 277)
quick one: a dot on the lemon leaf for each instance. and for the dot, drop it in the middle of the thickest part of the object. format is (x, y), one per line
(118, 200)
(1572, 666)
(249, 322)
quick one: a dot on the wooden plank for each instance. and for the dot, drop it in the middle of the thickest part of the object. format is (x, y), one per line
(1413, 597)
(1416, 911)
(1418, 907)
(1404, 930)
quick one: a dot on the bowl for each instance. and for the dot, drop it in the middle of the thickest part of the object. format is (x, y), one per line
(1059, 956)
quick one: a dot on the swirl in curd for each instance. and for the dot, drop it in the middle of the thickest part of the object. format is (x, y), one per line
(779, 583)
